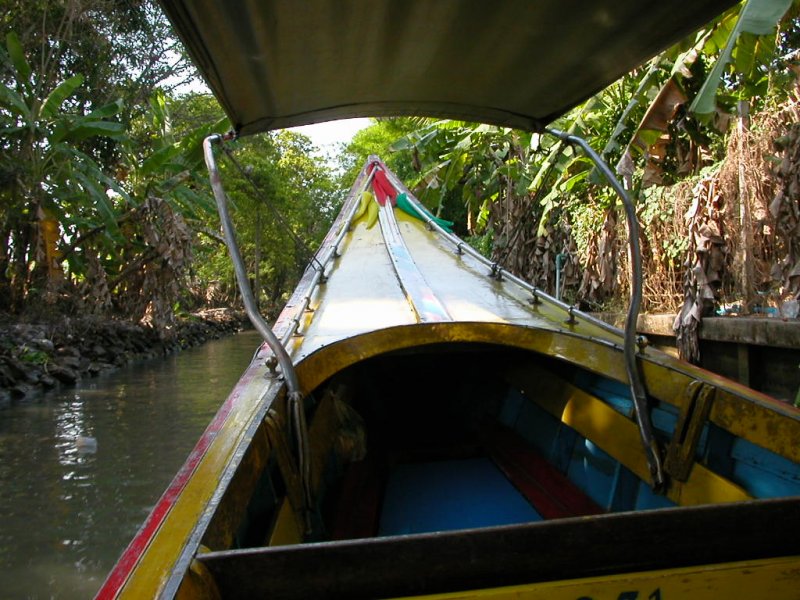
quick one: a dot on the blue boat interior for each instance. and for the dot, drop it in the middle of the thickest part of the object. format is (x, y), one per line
(449, 495)
(450, 444)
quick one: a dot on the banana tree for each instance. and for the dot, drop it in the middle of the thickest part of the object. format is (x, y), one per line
(746, 55)
(49, 179)
(163, 174)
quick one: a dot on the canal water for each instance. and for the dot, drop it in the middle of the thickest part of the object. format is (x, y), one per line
(81, 468)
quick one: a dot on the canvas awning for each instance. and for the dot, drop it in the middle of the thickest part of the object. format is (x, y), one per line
(521, 63)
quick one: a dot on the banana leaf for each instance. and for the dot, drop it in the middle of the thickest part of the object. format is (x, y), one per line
(758, 17)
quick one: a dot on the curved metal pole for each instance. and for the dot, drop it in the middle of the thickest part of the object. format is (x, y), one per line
(284, 360)
(637, 386)
(248, 298)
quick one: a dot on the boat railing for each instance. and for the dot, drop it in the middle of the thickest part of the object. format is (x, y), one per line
(495, 270)
(630, 347)
(320, 264)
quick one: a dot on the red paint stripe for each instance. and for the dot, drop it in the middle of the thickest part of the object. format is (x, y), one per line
(546, 488)
(130, 557)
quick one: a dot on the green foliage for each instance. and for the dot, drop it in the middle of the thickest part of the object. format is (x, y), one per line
(643, 124)
(122, 49)
(463, 166)
(93, 137)
(158, 162)
(109, 228)
(282, 205)
(46, 173)
(121, 187)
(749, 48)
(33, 356)
(379, 139)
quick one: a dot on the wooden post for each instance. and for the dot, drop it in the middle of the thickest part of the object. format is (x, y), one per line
(743, 363)
(745, 255)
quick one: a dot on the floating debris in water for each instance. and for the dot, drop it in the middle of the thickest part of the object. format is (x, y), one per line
(86, 444)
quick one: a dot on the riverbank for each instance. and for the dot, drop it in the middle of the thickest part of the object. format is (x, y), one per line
(43, 355)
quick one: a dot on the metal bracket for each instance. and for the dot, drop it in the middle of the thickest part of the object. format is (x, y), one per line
(496, 272)
(695, 408)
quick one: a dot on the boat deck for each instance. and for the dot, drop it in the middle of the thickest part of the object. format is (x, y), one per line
(503, 481)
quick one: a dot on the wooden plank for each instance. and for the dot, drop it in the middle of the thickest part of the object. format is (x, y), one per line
(562, 549)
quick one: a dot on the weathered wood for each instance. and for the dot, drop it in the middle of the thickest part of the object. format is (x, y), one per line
(755, 331)
(545, 551)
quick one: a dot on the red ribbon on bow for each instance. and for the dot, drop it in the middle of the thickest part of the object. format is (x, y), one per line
(383, 189)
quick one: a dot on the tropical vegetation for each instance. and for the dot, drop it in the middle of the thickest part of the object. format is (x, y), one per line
(701, 136)
(106, 207)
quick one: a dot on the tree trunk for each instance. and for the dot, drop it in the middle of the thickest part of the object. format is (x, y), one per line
(257, 258)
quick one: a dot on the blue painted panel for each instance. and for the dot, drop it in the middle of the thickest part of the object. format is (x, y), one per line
(449, 495)
(593, 471)
(664, 418)
(537, 427)
(616, 394)
(563, 445)
(718, 454)
(646, 499)
(512, 405)
(763, 473)
(626, 489)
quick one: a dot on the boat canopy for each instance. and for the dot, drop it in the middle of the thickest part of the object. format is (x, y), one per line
(519, 63)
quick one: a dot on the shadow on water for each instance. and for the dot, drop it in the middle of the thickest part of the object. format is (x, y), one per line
(81, 468)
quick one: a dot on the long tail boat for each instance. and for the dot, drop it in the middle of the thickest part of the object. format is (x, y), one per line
(419, 422)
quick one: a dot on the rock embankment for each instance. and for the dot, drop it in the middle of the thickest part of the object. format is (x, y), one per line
(40, 356)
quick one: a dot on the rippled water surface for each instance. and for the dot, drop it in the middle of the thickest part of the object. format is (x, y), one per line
(81, 468)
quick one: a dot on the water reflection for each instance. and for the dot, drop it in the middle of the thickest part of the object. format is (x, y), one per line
(80, 469)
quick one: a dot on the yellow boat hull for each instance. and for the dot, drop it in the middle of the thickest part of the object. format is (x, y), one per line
(410, 352)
